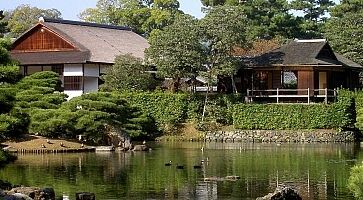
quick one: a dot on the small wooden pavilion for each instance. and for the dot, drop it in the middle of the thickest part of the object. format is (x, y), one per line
(302, 70)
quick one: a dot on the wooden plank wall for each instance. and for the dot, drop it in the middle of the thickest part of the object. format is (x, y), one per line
(276, 79)
(305, 80)
(43, 39)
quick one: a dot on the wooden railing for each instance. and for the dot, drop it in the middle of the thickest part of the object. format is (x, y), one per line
(292, 93)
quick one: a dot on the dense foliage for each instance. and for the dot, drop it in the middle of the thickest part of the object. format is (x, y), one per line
(357, 113)
(3, 24)
(90, 115)
(165, 108)
(189, 47)
(294, 116)
(13, 121)
(355, 181)
(170, 109)
(39, 90)
(6, 157)
(143, 16)
(177, 51)
(223, 29)
(24, 17)
(128, 74)
(345, 34)
(269, 19)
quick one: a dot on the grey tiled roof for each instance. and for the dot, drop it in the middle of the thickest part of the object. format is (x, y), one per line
(300, 52)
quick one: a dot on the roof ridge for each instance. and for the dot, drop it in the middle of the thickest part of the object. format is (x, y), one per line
(310, 40)
(79, 23)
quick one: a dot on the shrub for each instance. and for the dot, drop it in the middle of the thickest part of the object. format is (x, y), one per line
(165, 108)
(89, 115)
(355, 181)
(293, 116)
(6, 157)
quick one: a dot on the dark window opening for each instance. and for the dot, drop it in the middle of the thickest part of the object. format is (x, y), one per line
(73, 83)
(58, 69)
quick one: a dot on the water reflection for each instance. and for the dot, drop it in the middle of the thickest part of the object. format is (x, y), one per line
(318, 171)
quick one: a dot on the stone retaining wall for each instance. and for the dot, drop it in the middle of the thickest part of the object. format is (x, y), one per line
(281, 136)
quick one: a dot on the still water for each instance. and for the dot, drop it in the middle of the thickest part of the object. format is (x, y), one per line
(318, 171)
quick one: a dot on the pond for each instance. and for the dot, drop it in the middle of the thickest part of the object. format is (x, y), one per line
(318, 171)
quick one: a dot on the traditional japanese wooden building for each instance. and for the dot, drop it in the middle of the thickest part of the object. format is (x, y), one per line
(78, 51)
(301, 68)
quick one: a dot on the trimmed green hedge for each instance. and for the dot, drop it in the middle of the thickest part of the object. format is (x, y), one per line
(358, 102)
(165, 108)
(293, 116)
(171, 108)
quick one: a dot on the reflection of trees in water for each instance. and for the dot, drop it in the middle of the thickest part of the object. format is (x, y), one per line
(318, 171)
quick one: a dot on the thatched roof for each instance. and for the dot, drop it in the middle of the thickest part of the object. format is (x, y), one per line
(95, 43)
(299, 53)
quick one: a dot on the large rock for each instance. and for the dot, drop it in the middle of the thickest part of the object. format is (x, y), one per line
(140, 148)
(4, 185)
(47, 194)
(281, 193)
(17, 196)
(34, 193)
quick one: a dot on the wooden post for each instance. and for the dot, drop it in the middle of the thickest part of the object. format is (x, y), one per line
(326, 95)
(247, 98)
(277, 95)
(308, 95)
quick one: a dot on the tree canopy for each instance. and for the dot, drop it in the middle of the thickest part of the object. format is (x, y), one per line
(142, 16)
(223, 29)
(127, 74)
(346, 6)
(177, 51)
(89, 115)
(3, 24)
(25, 16)
(345, 34)
(13, 121)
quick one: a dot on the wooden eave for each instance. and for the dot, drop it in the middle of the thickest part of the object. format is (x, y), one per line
(298, 67)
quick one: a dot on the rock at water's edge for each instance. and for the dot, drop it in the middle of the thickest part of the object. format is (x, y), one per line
(281, 193)
(140, 148)
(33, 193)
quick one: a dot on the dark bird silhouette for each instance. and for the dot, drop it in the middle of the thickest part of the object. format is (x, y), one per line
(168, 163)
(179, 166)
(197, 166)
(61, 144)
(43, 146)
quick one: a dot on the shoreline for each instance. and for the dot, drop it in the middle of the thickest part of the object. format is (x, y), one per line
(39, 144)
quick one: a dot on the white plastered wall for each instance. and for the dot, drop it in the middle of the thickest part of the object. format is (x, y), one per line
(90, 84)
(73, 70)
(91, 70)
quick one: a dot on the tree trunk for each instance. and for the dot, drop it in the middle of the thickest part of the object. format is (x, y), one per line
(176, 85)
(234, 88)
(206, 95)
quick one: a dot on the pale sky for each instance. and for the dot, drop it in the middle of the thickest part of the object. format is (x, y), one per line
(71, 8)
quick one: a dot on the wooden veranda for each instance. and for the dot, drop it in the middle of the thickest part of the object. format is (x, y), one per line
(292, 95)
